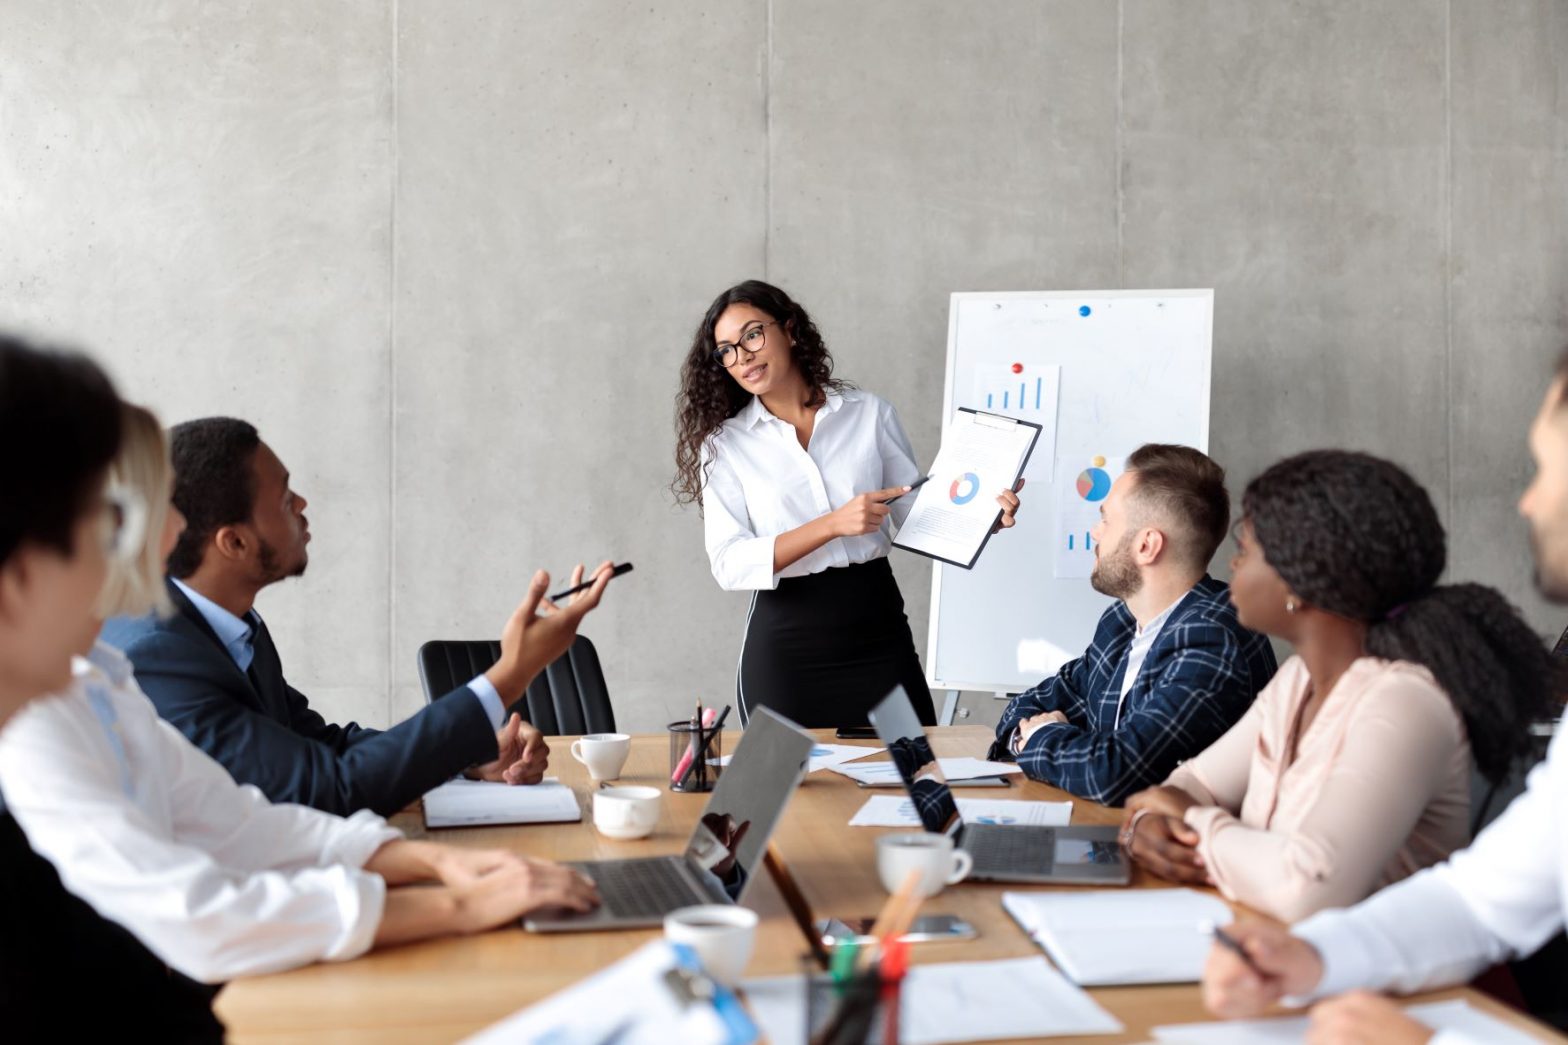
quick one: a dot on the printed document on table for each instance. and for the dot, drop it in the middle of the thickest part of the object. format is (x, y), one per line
(1021, 998)
(982, 455)
(475, 803)
(955, 770)
(1458, 1016)
(899, 811)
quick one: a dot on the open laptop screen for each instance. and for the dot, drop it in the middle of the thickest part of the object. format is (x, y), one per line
(899, 728)
(749, 799)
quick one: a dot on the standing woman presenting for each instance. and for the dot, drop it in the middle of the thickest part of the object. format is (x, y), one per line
(791, 467)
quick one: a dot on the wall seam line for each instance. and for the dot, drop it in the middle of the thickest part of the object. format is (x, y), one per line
(1448, 251)
(1121, 273)
(392, 399)
(767, 154)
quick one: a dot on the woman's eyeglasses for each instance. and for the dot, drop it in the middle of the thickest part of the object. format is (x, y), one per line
(125, 522)
(753, 339)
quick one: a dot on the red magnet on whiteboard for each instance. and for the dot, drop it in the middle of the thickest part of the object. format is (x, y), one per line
(1018, 368)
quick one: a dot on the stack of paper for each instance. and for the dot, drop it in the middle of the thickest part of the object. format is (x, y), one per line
(1457, 1016)
(899, 811)
(475, 803)
(959, 1001)
(885, 774)
(1111, 937)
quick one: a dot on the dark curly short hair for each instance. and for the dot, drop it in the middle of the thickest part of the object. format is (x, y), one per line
(1357, 536)
(214, 483)
(59, 431)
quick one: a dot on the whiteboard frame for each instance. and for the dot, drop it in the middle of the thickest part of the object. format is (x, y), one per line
(954, 300)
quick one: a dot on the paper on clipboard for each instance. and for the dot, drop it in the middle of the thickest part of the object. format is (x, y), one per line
(982, 455)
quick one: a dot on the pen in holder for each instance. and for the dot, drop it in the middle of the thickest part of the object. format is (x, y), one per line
(694, 756)
(855, 1003)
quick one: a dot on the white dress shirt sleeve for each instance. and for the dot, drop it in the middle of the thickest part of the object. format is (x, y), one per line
(741, 560)
(240, 886)
(490, 700)
(1499, 898)
(898, 460)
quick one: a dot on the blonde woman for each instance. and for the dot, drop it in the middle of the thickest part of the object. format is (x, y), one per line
(215, 879)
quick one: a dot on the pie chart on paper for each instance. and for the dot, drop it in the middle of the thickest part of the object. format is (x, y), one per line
(964, 488)
(1094, 482)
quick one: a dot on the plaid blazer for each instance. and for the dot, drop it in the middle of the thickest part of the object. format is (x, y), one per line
(1199, 677)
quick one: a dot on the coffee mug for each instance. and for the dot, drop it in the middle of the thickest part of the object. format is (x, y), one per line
(721, 934)
(626, 812)
(603, 753)
(939, 862)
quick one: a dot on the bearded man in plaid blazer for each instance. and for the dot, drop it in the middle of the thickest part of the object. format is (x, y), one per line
(1169, 669)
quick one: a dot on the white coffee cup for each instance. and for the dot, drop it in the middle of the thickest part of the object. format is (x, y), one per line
(721, 934)
(626, 812)
(603, 753)
(939, 862)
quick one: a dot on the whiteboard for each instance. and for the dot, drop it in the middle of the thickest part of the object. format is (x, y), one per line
(1131, 367)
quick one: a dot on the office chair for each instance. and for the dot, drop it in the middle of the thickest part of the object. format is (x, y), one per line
(568, 698)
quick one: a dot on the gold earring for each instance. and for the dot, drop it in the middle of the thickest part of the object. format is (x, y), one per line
(1291, 606)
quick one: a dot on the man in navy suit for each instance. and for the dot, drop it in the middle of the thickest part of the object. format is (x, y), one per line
(213, 672)
(1170, 669)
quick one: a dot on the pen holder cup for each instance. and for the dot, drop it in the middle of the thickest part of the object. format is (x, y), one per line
(692, 769)
(861, 1010)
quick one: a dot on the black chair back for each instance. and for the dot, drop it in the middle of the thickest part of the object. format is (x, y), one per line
(568, 698)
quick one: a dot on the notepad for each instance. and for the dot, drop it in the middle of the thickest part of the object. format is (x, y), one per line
(477, 803)
(1109, 937)
(1456, 1015)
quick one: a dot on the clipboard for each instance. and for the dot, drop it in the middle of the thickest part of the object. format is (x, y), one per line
(936, 490)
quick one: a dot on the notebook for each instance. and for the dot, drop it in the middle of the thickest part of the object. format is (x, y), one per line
(1458, 1016)
(1109, 938)
(477, 803)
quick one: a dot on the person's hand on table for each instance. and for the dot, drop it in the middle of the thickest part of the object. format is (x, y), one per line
(519, 886)
(1364, 1018)
(1167, 847)
(521, 755)
(1285, 965)
(1008, 499)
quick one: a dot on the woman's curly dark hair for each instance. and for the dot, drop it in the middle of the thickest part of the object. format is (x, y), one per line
(1356, 536)
(709, 396)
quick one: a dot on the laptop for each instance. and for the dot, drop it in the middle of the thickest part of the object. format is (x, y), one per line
(1001, 852)
(725, 848)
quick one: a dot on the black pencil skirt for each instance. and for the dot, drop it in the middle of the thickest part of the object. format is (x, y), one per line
(824, 649)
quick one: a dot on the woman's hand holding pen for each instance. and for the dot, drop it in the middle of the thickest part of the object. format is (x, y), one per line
(864, 513)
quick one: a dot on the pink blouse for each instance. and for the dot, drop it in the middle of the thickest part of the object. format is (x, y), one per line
(1379, 788)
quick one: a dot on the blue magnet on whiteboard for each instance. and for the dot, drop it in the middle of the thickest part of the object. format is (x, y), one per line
(1084, 310)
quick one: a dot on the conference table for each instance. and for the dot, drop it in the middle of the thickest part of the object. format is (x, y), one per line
(445, 990)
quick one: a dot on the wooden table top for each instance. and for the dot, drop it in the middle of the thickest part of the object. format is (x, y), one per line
(444, 990)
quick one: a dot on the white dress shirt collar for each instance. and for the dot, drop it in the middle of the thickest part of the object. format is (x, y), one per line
(754, 412)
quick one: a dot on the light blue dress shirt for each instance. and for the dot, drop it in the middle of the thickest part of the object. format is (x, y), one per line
(238, 637)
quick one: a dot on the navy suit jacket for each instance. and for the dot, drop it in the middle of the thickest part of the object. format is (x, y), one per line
(264, 732)
(1198, 679)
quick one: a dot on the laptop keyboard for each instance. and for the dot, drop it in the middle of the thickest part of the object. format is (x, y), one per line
(1010, 849)
(644, 888)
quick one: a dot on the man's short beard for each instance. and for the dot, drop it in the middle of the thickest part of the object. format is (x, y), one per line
(1116, 574)
(268, 556)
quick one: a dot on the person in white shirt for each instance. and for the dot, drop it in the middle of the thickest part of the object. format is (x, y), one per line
(794, 470)
(1502, 897)
(213, 878)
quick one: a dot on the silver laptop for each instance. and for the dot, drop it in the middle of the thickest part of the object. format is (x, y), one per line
(1001, 852)
(725, 848)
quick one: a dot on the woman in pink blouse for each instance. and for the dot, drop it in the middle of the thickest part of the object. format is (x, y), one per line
(1352, 768)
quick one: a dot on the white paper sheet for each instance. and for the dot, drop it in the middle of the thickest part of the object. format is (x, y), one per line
(953, 1002)
(899, 811)
(628, 1003)
(885, 774)
(1028, 391)
(954, 512)
(475, 803)
(1107, 937)
(829, 756)
(1082, 484)
(1457, 1015)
